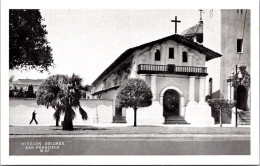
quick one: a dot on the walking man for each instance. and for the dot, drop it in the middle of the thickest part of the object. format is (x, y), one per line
(34, 117)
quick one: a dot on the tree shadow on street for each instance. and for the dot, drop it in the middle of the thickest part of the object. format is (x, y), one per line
(142, 126)
(80, 128)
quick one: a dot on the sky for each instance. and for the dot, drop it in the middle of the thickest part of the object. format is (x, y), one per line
(86, 42)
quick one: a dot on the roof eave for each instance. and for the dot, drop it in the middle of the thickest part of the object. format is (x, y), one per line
(210, 54)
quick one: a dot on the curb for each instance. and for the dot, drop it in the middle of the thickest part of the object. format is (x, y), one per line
(147, 137)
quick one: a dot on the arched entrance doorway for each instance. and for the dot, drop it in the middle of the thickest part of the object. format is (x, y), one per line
(172, 100)
(242, 97)
(171, 103)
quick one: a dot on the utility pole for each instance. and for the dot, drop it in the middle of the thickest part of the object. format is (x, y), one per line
(236, 94)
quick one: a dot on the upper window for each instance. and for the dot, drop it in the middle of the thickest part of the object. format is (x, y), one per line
(240, 11)
(239, 45)
(157, 55)
(184, 56)
(171, 53)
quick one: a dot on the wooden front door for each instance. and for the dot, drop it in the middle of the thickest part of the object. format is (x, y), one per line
(171, 103)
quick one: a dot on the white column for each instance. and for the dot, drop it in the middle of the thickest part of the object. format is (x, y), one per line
(231, 97)
(198, 114)
(229, 90)
(114, 107)
(142, 76)
(232, 93)
(233, 116)
(123, 112)
(153, 86)
(202, 90)
(182, 106)
(192, 90)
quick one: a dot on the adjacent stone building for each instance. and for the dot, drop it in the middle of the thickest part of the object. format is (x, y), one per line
(227, 31)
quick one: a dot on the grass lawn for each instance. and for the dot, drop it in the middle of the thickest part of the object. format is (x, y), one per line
(91, 130)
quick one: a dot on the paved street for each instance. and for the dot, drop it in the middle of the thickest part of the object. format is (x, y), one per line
(128, 140)
(127, 146)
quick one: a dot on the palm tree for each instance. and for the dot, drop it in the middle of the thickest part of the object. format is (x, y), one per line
(62, 93)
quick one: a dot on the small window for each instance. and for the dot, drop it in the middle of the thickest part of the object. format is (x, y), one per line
(157, 55)
(171, 53)
(184, 57)
(239, 45)
(241, 11)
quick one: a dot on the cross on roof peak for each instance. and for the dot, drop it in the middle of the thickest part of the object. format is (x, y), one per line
(175, 21)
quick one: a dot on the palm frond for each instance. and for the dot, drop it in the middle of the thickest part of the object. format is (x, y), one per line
(76, 80)
(83, 114)
(57, 114)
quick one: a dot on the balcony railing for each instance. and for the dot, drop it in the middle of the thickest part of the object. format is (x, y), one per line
(171, 69)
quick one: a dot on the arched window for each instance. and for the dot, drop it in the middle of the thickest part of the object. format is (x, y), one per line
(184, 57)
(157, 55)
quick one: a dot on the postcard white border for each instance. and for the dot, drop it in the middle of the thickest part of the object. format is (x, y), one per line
(130, 4)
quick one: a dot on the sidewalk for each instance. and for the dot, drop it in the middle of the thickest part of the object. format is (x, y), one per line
(129, 130)
(147, 137)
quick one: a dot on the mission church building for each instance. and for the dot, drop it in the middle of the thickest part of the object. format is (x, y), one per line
(174, 68)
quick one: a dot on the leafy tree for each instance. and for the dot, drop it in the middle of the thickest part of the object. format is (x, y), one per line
(134, 93)
(11, 93)
(63, 94)
(15, 92)
(28, 46)
(221, 103)
(11, 79)
(30, 93)
(21, 93)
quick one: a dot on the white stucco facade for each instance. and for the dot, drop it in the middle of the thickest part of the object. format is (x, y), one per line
(188, 81)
